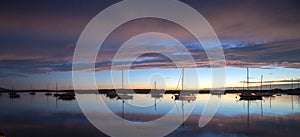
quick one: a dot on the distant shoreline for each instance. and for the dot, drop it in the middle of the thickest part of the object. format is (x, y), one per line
(147, 91)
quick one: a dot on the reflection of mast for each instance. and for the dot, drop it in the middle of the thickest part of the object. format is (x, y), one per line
(292, 102)
(248, 115)
(56, 95)
(123, 112)
(270, 102)
(261, 108)
(155, 104)
(182, 113)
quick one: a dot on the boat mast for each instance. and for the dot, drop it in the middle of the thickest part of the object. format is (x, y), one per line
(122, 79)
(182, 78)
(261, 81)
(292, 83)
(56, 86)
(247, 78)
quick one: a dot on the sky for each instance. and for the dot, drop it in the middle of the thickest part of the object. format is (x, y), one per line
(38, 38)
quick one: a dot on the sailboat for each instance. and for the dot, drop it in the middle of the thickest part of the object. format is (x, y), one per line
(122, 95)
(247, 95)
(56, 89)
(184, 95)
(31, 89)
(48, 93)
(13, 94)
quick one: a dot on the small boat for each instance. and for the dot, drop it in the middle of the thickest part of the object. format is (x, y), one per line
(185, 97)
(32, 93)
(124, 97)
(111, 94)
(67, 96)
(156, 95)
(56, 94)
(14, 95)
(48, 94)
(247, 95)
(278, 94)
(250, 96)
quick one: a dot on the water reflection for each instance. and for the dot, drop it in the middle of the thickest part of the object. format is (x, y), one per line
(40, 115)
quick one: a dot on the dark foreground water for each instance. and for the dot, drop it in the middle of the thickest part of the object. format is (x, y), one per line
(46, 116)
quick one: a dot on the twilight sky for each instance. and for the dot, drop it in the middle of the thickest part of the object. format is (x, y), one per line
(38, 37)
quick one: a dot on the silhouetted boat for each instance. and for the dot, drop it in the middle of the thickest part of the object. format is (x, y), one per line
(185, 97)
(13, 94)
(56, 94)
(31, 89)
(247, 95)
(250, 96)
(156, 95)
(48, 94)
(32, 93)
(124, 97)
(111, 94)
(67, 96)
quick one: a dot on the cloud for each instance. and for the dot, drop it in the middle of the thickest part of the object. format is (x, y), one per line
(40, 37)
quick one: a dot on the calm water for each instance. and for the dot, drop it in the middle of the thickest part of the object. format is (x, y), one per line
(45, 116)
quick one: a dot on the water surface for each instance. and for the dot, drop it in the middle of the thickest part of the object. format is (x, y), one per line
(46, 116)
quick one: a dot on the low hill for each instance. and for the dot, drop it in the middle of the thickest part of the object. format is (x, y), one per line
(3, 89)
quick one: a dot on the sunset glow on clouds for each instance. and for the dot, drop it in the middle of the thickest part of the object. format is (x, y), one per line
(38, 38)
